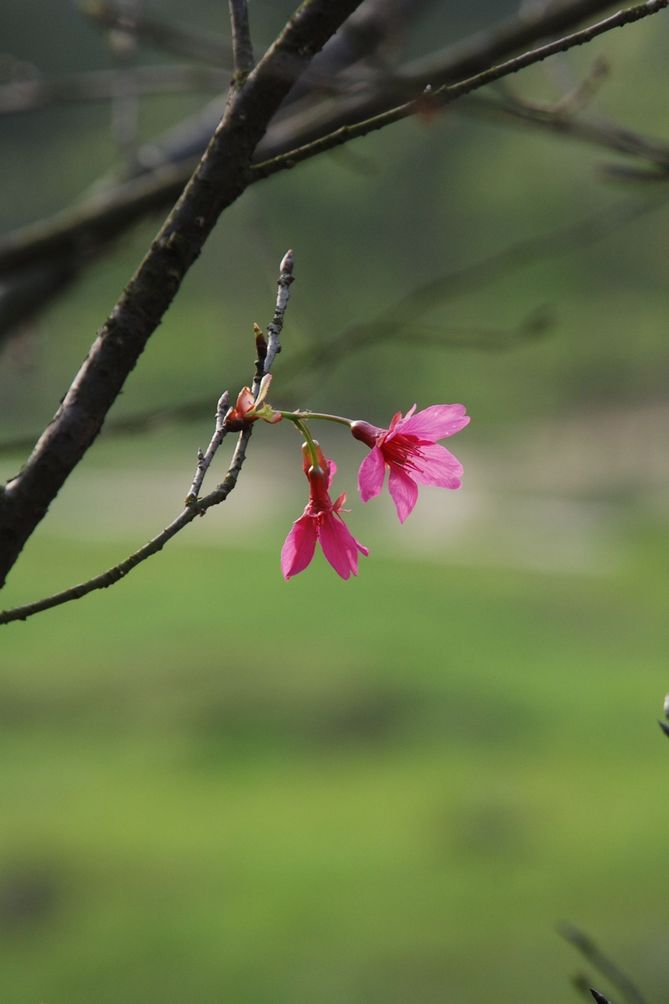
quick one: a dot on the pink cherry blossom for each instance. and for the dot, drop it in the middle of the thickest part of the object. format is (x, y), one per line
(409, 449)
(321, 520)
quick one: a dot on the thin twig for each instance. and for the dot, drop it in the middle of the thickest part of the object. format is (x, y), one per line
(194, 507)
(600, 998)
(20, 96)
(276, 324)
(395, 319)
(608, 135)
(590, 951)
(125, 104)
(242, 46)
(204, 459)
(175, 38)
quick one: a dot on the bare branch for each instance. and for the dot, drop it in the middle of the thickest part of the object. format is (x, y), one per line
(101, 85)
(193, 506)
(204, 459)
(590, 951)
(177, 39)
(276, 324)
(125, 105)
(608, 135)
(219, 179)
(242, 46)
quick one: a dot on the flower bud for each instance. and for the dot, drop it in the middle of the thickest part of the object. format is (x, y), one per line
(366, 433)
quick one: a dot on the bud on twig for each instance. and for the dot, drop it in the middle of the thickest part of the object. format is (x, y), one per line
(261, 342)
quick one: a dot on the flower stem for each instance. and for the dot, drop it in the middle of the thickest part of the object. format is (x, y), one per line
(311, 445)
(299, 416)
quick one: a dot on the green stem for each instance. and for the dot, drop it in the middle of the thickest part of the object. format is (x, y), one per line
(311, 445)
(299, 416)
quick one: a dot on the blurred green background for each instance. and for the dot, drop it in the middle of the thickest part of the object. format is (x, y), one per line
(220, 787)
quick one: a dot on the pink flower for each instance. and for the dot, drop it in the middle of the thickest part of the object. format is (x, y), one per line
(321, 521)
(408, 448)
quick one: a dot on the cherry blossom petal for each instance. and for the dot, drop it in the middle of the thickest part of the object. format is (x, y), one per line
(245, 401)
(403, 491)
(432, 464)
(397, 419)
(371, 475)
(435, 422)
(339, 545)
(299, 546)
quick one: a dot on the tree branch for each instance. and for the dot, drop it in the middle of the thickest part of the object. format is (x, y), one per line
(221, 176)
(242, 47)
(194, 505)
(178, 39)
(607, 135)
(20, 96)
(204, 459)
(590, 951)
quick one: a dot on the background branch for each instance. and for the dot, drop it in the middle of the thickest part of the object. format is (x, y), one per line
(400, 320)
(20, 96)
(590, 951)
(307, 118)
(608, 135)
(151, 30)
(242, 47)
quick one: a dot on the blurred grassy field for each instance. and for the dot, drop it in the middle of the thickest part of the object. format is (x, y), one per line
(219, 787)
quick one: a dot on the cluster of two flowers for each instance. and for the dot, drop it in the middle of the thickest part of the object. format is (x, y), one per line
(408, 449)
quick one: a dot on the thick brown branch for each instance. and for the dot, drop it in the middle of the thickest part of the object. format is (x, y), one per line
(219, 179)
